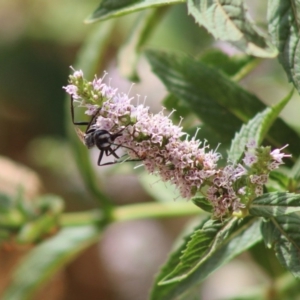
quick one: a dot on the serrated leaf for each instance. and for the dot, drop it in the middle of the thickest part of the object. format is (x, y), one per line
(203, 251)
(219, 102)
(191, 81)
(229, 21)
(217, 248)
(275, 204)
(283, 24)
(282, 233)
(162, 292)
(203, 203)
(111, 8)
(256, 129)
(47, 258)
(230, 65)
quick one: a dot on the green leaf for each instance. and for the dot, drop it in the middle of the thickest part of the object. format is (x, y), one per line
(180, 108)
(229, 21)
(128, 55)
(275, 204)
(256, 129)
(210, 247)
(281, 179)
(45, 221)
(266, 259)
(14, 211)
(47, 258)
(219, 102)
(159, 292)
(203, 203)
(203, 250)
(200, 87)
(282, 233)
(295, 172)
(230, 65)
(283, 21)
(111, 8)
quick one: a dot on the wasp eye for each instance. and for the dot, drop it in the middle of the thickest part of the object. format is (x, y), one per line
(89, 140)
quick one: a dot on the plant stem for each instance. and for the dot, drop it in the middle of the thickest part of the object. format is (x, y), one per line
(154, 210)
(81, 218)
(133, 212)
(246, 70)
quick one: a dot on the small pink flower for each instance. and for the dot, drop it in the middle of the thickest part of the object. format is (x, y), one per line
(72, 90)
(277, 156)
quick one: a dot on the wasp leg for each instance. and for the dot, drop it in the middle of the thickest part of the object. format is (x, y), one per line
(100, 157)
(72, 115)
(113, 151)
(120, 145)
(83, 122)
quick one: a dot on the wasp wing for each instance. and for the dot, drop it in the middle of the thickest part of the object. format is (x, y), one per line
(80, 134)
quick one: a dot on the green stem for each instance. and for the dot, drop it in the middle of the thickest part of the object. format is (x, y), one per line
(81, 218)
(154, 210)
(133, 212)
(246, 70)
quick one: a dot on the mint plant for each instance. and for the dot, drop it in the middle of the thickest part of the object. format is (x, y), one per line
(247, 182)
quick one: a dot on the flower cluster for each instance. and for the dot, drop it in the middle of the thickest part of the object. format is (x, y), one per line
(168, 152)
(234, 187)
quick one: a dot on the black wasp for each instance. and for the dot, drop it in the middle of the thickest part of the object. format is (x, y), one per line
(102, 139)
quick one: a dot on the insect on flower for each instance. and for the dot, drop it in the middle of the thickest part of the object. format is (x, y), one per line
(101, 138)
